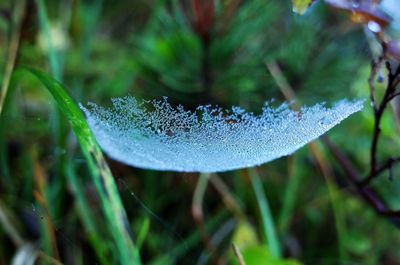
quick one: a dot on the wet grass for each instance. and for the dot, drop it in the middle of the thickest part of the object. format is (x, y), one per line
(63, 202)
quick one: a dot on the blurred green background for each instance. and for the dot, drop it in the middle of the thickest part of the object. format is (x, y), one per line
(227, 56)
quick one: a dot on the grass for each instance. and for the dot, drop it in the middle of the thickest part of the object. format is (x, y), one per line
(267, 219)
(101, 175)
(63, 202)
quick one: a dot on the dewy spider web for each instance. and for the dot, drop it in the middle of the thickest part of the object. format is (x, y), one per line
(155, 135)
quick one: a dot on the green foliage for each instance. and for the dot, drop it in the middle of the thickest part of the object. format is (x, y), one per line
(101, 174)
(254, 253)
(51, 187)
(259, 255)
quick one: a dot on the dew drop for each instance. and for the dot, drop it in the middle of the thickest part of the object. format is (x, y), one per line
(374, 27)
(355, 4)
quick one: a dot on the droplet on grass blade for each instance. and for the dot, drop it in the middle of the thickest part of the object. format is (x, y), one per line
(155, 135)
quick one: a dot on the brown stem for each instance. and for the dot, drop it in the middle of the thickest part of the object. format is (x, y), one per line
(343, 160)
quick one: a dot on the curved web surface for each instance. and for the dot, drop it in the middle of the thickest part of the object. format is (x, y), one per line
(155, 135)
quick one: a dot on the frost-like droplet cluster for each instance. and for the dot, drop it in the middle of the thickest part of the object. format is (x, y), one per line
(155, 135)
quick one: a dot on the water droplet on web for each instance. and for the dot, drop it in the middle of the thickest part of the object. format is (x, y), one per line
(373, 26)
(355, 4)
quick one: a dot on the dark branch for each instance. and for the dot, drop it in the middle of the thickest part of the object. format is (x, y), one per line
(390, 93)
(387, 166)
(368, 194)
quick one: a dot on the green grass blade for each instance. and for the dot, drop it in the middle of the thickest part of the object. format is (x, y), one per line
(266, 216)
(10, 56)
(102, 178)
(188, 243)
(334, 195)
(86, 216)
(54, 60)
(290, 194)
(58, 127)
(91, 11)
(143, 232)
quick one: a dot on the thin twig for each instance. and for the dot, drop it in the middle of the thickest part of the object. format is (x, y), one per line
(393, 96)
(348, 167)
(281, 81)
(227, 196)
(367, 193)
(378, 113)
(387, 166)
(238, 254)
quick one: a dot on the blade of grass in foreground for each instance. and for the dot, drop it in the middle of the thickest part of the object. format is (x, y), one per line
(85, 216)
(290, 193)
(53, 56)
(266, 216)
(101, 175)
(57, 124)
